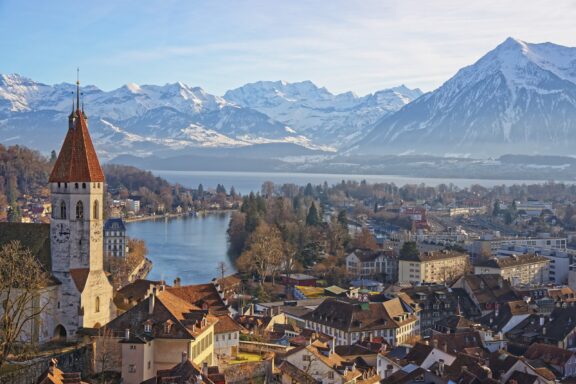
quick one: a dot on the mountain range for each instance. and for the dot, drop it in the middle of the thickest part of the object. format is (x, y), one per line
(176, 118)
(519, 98)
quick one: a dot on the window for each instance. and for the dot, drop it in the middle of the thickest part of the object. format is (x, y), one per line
(147, 328)
(229, 336)
(96, 209)
(79, 210)
(76, 185)
(149, 365)
(132, 368)
(305, 357)
(83, 185)
(331, 375)
(133, 347)
(97, 306)
(63, 210)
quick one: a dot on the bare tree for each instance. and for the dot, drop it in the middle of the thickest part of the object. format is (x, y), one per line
(222, 269)
(264, 254)
(107, 354)
(21, 281)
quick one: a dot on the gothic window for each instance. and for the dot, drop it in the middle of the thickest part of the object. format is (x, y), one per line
(79, 210)
(63, 210)
(83, 185)
(97, 304)
(95, 209)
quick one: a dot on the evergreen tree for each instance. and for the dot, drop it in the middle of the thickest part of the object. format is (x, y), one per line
(496, 210)
(309, 190)
(409, 250)
(343, 218)
(313, 217)
(200, 191)
(232, 191)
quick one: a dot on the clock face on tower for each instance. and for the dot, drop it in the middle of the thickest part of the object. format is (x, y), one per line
(95, 233)
(60, 233)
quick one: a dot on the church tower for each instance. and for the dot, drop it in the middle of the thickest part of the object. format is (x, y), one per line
(77, 197)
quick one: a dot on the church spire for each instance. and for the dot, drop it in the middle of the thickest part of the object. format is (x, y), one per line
(78, 88)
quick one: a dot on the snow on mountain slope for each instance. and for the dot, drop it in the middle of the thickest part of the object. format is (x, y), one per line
(518, 98)
(315, 112)
(147, 117)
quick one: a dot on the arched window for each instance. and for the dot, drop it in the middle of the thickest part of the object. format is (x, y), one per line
(63, 210)
(97, 304)
(83, 185)
(76, 185)
(96, 209)
(79, 210)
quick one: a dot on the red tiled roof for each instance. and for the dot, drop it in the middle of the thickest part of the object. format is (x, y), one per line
(77, 160)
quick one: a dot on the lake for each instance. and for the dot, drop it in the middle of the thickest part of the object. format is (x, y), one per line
(192, 247)
(246, 182)
(185, 247)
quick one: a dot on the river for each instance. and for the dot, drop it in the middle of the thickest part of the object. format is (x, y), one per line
(185, 247)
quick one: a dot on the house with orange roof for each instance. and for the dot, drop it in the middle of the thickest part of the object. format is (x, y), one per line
(155, 333)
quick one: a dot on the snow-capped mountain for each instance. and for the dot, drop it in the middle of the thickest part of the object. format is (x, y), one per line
(518, 98)
(326, 118)
(136, 119)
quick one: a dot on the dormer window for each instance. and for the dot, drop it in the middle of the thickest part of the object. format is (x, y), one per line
(147, 327)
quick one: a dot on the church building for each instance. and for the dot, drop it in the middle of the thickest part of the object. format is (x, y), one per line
(79, 294)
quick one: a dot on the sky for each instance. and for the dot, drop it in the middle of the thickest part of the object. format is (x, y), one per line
(344, 45)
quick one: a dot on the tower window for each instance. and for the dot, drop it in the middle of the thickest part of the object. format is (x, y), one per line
(79, 210)
(96, 209)
(63, 210)
(65, 185)
(83, 185)
(76, 185)
(58, 184)
(97, 304)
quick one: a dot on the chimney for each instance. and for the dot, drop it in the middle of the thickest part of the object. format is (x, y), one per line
(542, 321)
(441, 367)
(445, 347)
(152, 301)
(184, 357)
(52, 365)
(205, 368)
(463, 368)
(177, 282)
(127, 333)
(435, 343)
(544, 331)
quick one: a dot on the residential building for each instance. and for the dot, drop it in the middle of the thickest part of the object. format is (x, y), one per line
(437, 302)
(382, 264)
(349, 321)
(320, 361)
(115, 243)
(486, 291)
(226, 337)
(432, 267)
(561, 360)
(517, 269)
(158, 331)
(559, 260)
(133, 205)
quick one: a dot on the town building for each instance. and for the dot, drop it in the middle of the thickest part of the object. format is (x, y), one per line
(432, 267)
(226, 337)
(486, 291)
(438, 302)
(381, 264)
(115, 243)
(349, 321)
(321, 362)
(517, 269)
(78, 295)
(158, 331)
(559, 260)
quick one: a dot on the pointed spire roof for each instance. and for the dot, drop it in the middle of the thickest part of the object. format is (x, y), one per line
(77, 160)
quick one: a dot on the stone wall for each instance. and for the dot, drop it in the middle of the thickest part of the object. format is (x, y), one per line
(70, 360)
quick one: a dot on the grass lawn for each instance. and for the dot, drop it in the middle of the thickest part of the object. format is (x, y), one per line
(246, 358)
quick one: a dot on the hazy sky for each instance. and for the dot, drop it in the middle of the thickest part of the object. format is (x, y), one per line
(357, 45)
